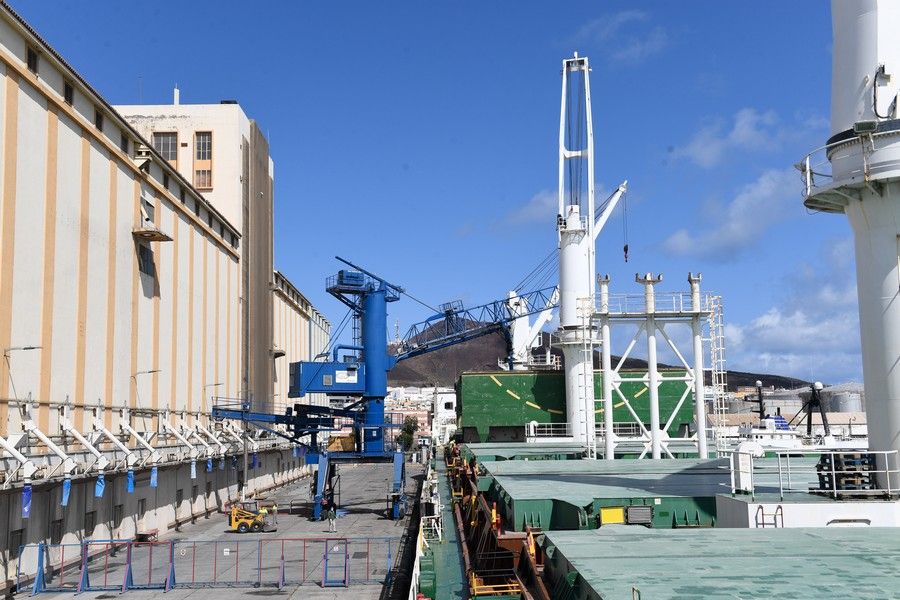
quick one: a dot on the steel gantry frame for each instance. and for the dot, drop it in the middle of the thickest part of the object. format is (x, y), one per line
(653, 313)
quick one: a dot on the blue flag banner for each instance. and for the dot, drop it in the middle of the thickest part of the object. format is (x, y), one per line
(253, 461)
(67, 489)
(222, 464)
(193, 469)
(209, 465)
(26, 501)
(129, 482)
(153, 474)
(99, 486)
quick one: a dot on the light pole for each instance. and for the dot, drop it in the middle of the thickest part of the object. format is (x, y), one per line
(6, 352)
(137, 389)
(206, 387)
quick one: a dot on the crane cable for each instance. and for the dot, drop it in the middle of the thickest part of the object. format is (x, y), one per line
(625, 224)
(429, 307)
(537, 271)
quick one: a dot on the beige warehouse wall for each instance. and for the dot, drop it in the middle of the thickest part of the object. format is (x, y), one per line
(69, 277)
(290, 335)
(300, 331)
(242, 190)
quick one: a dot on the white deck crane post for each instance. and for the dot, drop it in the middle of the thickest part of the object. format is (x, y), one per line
(524, 334)
(577, 228)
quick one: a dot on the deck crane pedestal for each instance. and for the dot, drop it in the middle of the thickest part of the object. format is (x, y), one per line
(363, 375)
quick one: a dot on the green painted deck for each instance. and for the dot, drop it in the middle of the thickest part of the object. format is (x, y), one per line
(569, 494)
(448, 565)
(496, 406)
(582, 481)
(846, 563)
(499, 451)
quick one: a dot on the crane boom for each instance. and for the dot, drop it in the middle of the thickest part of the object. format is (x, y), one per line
(456, 324)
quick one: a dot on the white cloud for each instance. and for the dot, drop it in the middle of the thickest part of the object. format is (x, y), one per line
(606, 28)
(755, 208)
(624, 37)
(813, 333)
(750, 130)
(541, 207)
(637, 49)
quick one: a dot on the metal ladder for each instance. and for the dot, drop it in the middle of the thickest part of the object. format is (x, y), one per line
(587, 373)
(777, 517)
(718, 372)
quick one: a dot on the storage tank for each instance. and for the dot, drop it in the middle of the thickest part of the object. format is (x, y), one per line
(842, 402)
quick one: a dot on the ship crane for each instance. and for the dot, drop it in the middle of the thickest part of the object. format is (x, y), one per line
(362, 374)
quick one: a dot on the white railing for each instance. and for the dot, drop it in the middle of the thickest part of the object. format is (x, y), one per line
(815, 167)
(665, 303)
(433, 528)
(822, 477)
(427, 524)
(548, 430)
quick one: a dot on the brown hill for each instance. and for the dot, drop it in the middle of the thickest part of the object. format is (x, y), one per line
(443, 367)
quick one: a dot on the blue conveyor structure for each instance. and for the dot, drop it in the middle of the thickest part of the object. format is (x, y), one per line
(364, 373)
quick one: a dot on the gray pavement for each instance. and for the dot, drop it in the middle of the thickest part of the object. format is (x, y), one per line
(219, 564)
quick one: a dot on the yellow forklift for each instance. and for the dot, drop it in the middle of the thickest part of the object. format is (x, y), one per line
(247, 516)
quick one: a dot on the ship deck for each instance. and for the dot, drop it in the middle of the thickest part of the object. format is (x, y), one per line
(621, 563)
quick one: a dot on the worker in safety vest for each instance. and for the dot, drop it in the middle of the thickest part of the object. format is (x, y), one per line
(264, 513)
(332, 519)
(275, 513)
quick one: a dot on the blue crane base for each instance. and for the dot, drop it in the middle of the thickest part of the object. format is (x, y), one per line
(327, 460)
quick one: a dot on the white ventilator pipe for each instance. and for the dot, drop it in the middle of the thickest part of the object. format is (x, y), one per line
(648, 281)
(609, 443)
(864, 152)
(699, 388)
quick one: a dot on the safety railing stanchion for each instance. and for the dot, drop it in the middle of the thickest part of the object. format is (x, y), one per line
(39, 581)
(170, 579)
(83, 580)
(346, 563)
(780, 479)
(390, 562)
(128, 578)
(834, 493)
(790, 481)
(258, 563)
(281, 571)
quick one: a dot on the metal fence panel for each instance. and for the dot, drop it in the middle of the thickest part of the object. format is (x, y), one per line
(60, 566)
(149, 565)
(121, 565)
(105, 562)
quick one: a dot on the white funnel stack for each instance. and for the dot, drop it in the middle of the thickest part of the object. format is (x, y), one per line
(864, 154)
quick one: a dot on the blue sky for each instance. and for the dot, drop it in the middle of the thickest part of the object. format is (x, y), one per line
(419, 139)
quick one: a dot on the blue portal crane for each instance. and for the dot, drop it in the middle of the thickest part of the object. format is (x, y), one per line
(364, 374)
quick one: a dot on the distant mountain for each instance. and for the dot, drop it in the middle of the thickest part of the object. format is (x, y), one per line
(443, 367)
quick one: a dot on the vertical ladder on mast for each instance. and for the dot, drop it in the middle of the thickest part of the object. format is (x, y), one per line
(718, 379)
(587, 373)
